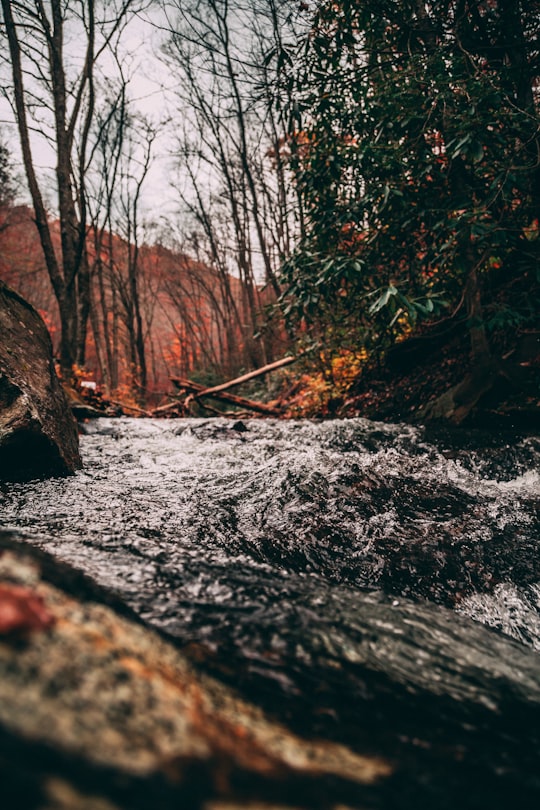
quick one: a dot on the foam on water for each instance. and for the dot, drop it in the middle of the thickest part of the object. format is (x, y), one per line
(351, 502)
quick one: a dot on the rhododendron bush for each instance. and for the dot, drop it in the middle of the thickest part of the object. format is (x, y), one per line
(415, 147)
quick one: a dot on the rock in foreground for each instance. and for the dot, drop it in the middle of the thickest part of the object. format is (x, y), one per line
(38, 434)
(97, 711)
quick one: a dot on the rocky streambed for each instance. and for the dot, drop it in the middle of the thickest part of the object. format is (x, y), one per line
(373, 587)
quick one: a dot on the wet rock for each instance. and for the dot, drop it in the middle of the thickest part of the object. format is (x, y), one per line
(97, 711)
(38, 435)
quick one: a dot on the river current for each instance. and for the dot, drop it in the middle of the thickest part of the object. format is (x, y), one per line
(341, 573)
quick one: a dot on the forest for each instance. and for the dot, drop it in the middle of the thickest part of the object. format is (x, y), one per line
(323, 214)
(355, 184)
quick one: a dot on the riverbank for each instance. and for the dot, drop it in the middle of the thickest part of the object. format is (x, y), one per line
(414, 377)
(415, 374)
(401, 387)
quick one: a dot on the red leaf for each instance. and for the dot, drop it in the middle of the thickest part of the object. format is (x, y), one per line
(22, 611)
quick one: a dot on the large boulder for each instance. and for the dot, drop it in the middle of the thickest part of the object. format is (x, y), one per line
(98, 711)
(38, 433)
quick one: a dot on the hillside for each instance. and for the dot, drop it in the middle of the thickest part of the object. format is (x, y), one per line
(195, 319)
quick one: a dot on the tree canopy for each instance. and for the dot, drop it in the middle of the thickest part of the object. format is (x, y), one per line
(415, 146)
(374, 166)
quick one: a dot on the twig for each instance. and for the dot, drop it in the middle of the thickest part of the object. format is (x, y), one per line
(126, 407)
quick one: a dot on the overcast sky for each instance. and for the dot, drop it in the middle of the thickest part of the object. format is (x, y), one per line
(149, 89)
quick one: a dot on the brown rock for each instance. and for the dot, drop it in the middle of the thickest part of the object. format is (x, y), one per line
(98, 711)
(38, 434)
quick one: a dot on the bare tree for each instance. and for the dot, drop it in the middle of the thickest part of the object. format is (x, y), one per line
(7, 178)
(53, 90)
(229, 152)
(139, 138)
(122, 150)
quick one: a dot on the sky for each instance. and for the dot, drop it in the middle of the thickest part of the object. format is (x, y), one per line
(150, 89)
(168, 191)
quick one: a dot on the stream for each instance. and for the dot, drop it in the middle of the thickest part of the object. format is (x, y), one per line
(369, 583)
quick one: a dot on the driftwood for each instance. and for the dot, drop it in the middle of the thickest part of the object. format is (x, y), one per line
(197, 391)
(251, 375)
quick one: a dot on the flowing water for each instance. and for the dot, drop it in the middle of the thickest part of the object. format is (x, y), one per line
(341, 573)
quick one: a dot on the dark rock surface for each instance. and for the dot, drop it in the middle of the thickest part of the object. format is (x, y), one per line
(98, 711)
(38, 434)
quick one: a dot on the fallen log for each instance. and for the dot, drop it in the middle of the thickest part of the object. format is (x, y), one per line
(251, 375)
(135, 408)
(198, 391)
(169, 406)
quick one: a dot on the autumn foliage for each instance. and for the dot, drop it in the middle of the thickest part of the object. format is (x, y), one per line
(193, 318)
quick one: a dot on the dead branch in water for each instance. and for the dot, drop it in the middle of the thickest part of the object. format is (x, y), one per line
(196, 391)
(251, 375)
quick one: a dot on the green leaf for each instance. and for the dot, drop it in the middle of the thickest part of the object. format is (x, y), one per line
(458, 149)
(475, 152)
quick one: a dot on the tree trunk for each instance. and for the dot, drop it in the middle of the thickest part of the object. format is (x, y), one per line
(480, 351)
(69, 328)
(83, 289)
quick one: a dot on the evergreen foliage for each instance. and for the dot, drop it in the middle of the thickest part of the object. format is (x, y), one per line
(415, 148)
